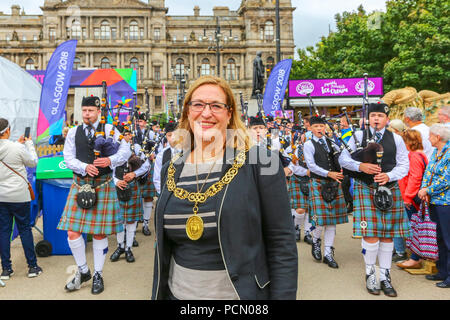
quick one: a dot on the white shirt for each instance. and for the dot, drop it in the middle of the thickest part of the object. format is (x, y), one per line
(398, 172)
(158, 167)
(79, 167)
(425, 133)
(139, 172)
(309, 152)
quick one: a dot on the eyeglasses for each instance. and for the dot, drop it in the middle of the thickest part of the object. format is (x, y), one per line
(215, 107)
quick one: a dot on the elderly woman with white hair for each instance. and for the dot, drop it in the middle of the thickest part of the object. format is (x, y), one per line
(435, 190)
(444, 115)
(413, 118)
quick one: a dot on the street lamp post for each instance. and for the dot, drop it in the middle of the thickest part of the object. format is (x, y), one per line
(277, 18)
(217, 47)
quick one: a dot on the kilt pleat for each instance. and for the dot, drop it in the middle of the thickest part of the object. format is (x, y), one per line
(369, 221)
(131, 209)
(322, 213)
(103, 219)
(298, 199)
(148, 189)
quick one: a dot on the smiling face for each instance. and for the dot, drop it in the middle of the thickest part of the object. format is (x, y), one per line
(205, 124)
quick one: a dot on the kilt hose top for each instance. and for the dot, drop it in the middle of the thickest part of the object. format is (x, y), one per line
(369, 221)
(298, 199)
(322, 213)
(131, 210)
(148, 189)
(103, 219)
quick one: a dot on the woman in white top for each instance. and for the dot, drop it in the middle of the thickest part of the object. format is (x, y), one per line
(15, 198)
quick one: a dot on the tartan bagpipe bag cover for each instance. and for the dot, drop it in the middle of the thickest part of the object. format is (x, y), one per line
(423, 241)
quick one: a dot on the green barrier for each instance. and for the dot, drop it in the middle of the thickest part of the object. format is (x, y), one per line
(52, 168)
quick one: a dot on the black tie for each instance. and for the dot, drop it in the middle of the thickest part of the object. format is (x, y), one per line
(324, 145)
(89, 130)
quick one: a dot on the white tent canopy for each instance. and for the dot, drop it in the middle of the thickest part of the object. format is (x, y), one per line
(19, 98)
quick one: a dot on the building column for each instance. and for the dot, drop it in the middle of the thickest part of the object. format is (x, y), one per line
(242, 71)
(145, 66)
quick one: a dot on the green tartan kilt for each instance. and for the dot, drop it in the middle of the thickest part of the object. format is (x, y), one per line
(369, 221)
(131, 210)
(322, 213)
(148, 189)
(298, 199)
(103, 219)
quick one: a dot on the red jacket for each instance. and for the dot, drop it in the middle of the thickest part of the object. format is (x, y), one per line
(410, 185)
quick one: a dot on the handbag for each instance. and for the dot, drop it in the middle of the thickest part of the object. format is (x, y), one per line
(30, 188)
(424, 240)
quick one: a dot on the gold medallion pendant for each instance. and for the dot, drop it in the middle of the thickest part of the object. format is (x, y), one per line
(194, 227)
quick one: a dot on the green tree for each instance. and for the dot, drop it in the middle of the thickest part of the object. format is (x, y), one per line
(408, 46)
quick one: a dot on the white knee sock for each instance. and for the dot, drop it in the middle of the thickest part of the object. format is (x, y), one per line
(100, 248)
(370, 252)
(298, 218)
(148, 207)
(317, 233)
(385, 258)
(78, 249)
(131, 228)
(121, 238)
(307, 226)
(328, 238)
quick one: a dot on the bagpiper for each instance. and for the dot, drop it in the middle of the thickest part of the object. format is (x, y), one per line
(378, 213)
(91, 205)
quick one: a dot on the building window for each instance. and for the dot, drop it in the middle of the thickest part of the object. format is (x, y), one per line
(174, 38)
(84, 30)
(96, 33)
(134, 63)
(157, 73)
(268, 31)
(113, 33)
(141, 73)
(157, 34)
(76, 63)
(76, 30)
(269, 65)
(141, 31)
(231, 69)
(105, 30)
(106, 64)
(52, 34)
(35, 38)
(24, 38)
(185, 39)
(125, 33)
(134, 30)
(157, 101)
(206, 67)
(29, 64)
(8, 38)
(179, 67)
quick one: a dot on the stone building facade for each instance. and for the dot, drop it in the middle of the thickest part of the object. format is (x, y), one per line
(164, 49)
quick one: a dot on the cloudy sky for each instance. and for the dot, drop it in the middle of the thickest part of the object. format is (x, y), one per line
(312, 18)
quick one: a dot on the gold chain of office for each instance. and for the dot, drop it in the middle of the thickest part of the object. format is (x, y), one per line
(198, 197)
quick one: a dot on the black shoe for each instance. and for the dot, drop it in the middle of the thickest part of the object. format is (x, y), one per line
(297, 233)
(6, 274)
(146, 231)
(399, 257)
(34, 271)
(116, 254)
(443, 284)
(371, 283)
(434, 277)
(135, 243)
(315, 250)
(349, 207)
(97, 284)
(387, 287)
(129, 255)
(308, 238)
(329, 260)
(76, 282)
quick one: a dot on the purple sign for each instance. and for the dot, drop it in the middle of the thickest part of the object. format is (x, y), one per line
(334, 87)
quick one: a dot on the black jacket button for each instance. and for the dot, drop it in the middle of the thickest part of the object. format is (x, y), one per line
(234, 277)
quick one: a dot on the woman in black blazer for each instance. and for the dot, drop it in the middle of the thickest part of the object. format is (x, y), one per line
(223, 224)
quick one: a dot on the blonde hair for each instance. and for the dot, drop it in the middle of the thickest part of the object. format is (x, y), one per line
(241, 138)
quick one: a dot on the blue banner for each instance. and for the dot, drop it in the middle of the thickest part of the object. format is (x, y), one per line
(54, 90)
(276, 87)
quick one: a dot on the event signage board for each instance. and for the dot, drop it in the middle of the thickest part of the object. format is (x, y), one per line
(322, 88)
(276, 87)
